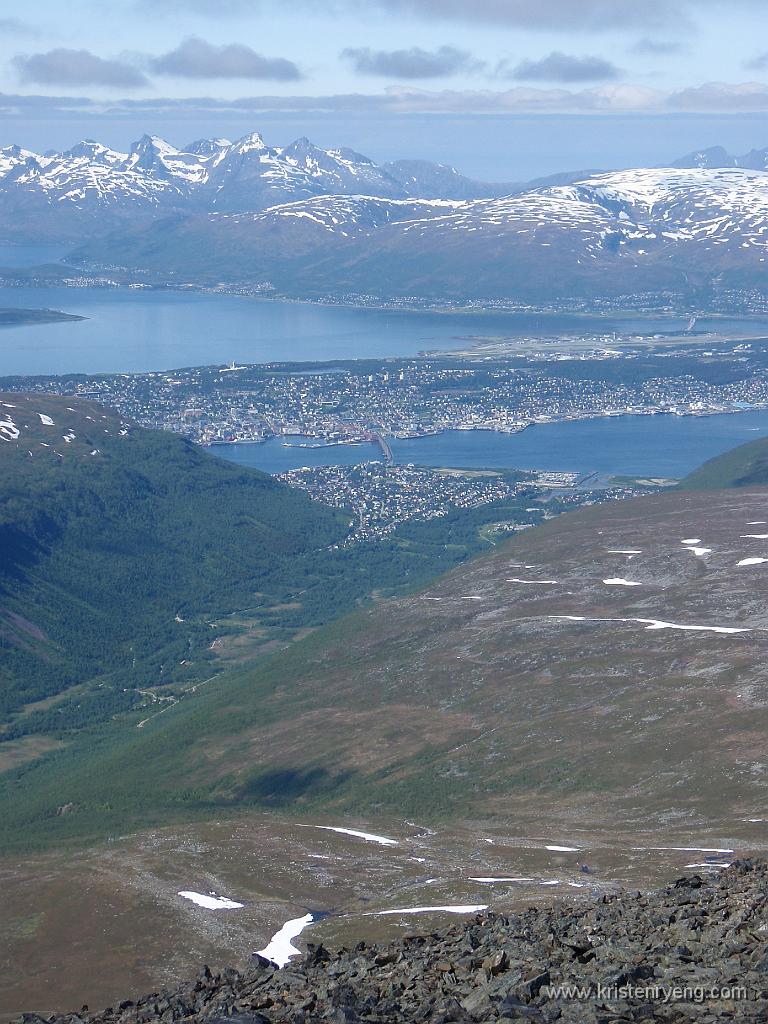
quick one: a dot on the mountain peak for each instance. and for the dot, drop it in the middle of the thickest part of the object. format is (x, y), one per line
(248, 143)
(90, 149)
(153, 142)
(207, 147)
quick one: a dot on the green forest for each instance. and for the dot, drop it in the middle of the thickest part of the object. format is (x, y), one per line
(118, 571)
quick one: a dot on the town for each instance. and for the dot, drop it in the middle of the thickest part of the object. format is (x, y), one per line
(322, 405)
(371, 401)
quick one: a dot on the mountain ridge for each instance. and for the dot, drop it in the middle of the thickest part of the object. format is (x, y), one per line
(90, 187)
(695, 235)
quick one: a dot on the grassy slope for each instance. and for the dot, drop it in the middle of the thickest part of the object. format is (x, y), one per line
(444, 706)
(744, 466)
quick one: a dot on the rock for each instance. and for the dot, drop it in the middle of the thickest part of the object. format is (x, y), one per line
(699, 931)
(477, 1003)
(496, 963)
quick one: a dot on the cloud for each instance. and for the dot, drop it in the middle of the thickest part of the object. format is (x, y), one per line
(15, 27)
(562, 67)
(595, 15)
(196, 58)
(759, 63)
(607, 100)
(413, 63)
(77, 67)
(204, 8)
(655, 47)
(721, 97)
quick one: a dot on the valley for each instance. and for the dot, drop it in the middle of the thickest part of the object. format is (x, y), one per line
(588, 694)
(518, 657)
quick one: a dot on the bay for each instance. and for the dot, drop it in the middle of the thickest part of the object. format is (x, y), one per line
(659, 446)
(136, 331)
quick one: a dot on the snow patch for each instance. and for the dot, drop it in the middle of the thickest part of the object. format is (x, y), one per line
(713, 866)
(8, 429)
(472, 908)
(280, 949)
(656, 624)
(210, 901)
(368, 836)
(516, 579)
(491, 880)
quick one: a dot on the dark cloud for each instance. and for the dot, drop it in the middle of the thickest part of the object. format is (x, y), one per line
(562, 67)
(655, 47)
(77, 67)
(413, 63)
(196, 58)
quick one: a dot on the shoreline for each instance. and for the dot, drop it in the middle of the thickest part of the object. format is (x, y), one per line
(381, 306)
(698, 414)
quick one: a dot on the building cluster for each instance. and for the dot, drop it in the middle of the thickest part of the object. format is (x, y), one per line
(381, 497)
(412, 398)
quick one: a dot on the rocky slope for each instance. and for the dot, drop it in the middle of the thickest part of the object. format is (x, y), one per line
(696, 950)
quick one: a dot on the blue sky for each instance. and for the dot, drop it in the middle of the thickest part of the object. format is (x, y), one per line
(501, 88)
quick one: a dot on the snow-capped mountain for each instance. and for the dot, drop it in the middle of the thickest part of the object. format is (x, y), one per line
(646, 230)
(313, 221)
(91, 189)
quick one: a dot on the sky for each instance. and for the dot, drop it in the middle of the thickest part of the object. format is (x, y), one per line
(503, 89)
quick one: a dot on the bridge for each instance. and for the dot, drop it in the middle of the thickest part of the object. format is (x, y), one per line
(385, 449)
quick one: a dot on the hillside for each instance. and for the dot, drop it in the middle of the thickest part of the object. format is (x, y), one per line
(135, 566)
(695, 233)
(695, 950)
(745, 466)
(581, 707)
(118, 547)
(596, 668)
